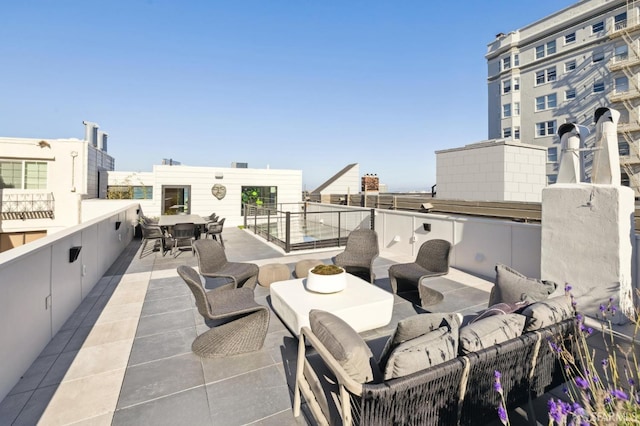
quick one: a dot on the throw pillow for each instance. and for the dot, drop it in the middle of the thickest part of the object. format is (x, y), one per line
(415, 326)
(345, 345)
(511, 286)
(500, 309)
(421, 352)
(490, 331)
(547, 312)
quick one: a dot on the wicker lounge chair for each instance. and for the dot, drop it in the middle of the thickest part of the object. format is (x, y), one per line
(432, 261)
(247, 323)
(360, 252)
(212, 262)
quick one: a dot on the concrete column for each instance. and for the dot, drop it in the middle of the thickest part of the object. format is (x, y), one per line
(586, 242)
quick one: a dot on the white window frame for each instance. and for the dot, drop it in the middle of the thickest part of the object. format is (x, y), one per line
(552, 154)
(516, 60)
(506, 110)
(597, 27)
(552, 178)
(597, 56)
(568, 92)
(506, 63)
(548, 75)
(598, 87)
(506, 86)
(506, 132)
(516, 132)
(516, 109)
(26, 182)
(570, 66)
(621, 84)
(570, 38)
(516, 84)
(545, 128)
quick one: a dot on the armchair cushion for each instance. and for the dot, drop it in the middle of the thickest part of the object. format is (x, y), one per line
(345, 345)
(416, 326)
(427, 350)
(511, 286)
(500, 309)
(547, 312)
(490, 331)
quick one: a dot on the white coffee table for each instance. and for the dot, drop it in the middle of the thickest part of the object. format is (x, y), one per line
(361, 304)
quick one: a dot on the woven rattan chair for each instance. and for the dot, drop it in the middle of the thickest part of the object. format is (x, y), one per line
(246, 321)
(182, 232)
(212, 262)
(432, 261)
(359, 253)
(215, 230)
(151, 233)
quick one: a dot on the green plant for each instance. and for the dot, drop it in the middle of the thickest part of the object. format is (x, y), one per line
(601, 389)
(327, 270)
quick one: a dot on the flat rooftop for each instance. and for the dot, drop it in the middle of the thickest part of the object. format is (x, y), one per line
(124, 357)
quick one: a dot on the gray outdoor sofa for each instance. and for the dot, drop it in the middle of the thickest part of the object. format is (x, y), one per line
(459, 390)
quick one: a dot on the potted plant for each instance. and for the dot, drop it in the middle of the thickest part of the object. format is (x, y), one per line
(326, 279)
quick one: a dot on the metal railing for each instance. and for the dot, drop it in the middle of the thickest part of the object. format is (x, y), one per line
(298, 228)
(27, 206)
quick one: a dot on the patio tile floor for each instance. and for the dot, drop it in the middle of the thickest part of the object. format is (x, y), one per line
(124, 357)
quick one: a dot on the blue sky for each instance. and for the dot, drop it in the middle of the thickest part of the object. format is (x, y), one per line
(299, 84)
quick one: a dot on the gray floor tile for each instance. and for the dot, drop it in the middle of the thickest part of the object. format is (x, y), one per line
(33, 409)
(190, 407)
(265, 391)
(59, 368)
(162, 345)
(283, 418)
(170, 304)
(156, 379)
(58, 343)
(11, 406)
(171, 289)
(35, 374)
(161, 323)
(219, 369)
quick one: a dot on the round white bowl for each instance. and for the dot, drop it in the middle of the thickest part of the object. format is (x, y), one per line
(326, 283)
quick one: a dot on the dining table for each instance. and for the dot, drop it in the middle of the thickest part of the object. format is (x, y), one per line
(167, 221)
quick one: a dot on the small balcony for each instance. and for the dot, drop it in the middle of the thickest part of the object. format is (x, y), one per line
(24, 206)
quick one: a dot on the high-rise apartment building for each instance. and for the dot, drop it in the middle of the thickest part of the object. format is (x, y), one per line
(560, 69)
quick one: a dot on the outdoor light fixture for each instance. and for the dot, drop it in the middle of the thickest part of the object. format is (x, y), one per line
(118, 223)
(426, 206)
(219, 175)
(426, 227)
(74, 252)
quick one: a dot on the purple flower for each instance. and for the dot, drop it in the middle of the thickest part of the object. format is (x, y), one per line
(554, 411)
(581, 383)
(502, 413)
(497, 374)
(577, 409)
(589, 330)
(618, 393)
(613, 310)
(632, 382)
(604, 362)
(603, 308)
(496, 385)
(579, 317)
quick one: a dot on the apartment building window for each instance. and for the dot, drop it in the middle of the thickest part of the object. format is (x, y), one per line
(23, 174)
(516, 132)
(623, 148)
(546, 128)
(506, 63)
(597, 27)
(552, 154)
(598, 87)
(545, 49)
(570, 94)
(506, 86)
(506, 110)
(516, 84)
(123, 192)
(621, 84)
(516, 109)
(546, 76)
(516, 60)
(621, 53)
(570, 38)
(597, 57)
(551, 179)
(570, 66)
(506, 132)
(620, 21)
(546, 102)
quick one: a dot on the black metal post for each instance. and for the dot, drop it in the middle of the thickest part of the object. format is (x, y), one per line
(287, 242)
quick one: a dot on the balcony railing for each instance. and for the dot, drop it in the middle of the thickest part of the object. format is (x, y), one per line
(40, 205)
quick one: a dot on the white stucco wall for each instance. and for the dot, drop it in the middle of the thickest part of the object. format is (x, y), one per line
(67, 178)
(491, 171)
(201, 179)
(348, 183)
